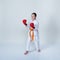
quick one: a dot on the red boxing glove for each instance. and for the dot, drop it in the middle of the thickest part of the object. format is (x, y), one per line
(32, 25)
(24, 22)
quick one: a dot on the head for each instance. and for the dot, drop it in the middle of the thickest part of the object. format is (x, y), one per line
(33, 16)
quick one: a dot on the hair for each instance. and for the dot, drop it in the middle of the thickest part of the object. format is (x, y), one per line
(34, 14)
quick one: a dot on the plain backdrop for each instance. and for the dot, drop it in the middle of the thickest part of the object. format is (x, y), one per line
(13, 34)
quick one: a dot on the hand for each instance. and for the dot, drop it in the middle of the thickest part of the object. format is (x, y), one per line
(32, 25)
(24, 22)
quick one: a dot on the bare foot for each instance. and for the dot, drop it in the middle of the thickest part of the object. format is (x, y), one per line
(26, 52)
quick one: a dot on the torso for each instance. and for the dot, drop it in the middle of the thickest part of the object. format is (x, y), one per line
(36, 32)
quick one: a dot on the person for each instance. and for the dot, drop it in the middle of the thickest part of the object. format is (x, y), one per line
(33, 35)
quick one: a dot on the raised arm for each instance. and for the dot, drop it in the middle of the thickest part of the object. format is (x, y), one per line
(34, 25)
(25, 23)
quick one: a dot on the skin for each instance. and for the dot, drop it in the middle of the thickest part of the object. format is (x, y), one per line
(33, 17)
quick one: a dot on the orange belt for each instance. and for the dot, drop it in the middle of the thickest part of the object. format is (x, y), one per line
(31, 33)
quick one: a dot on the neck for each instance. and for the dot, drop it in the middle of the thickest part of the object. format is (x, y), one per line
(34, 19)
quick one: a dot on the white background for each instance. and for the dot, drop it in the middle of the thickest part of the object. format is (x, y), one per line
(13, 34)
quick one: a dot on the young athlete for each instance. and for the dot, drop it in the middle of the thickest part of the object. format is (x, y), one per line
(33, 34)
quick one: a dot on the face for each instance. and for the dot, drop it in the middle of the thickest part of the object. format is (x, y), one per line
(33, 17)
